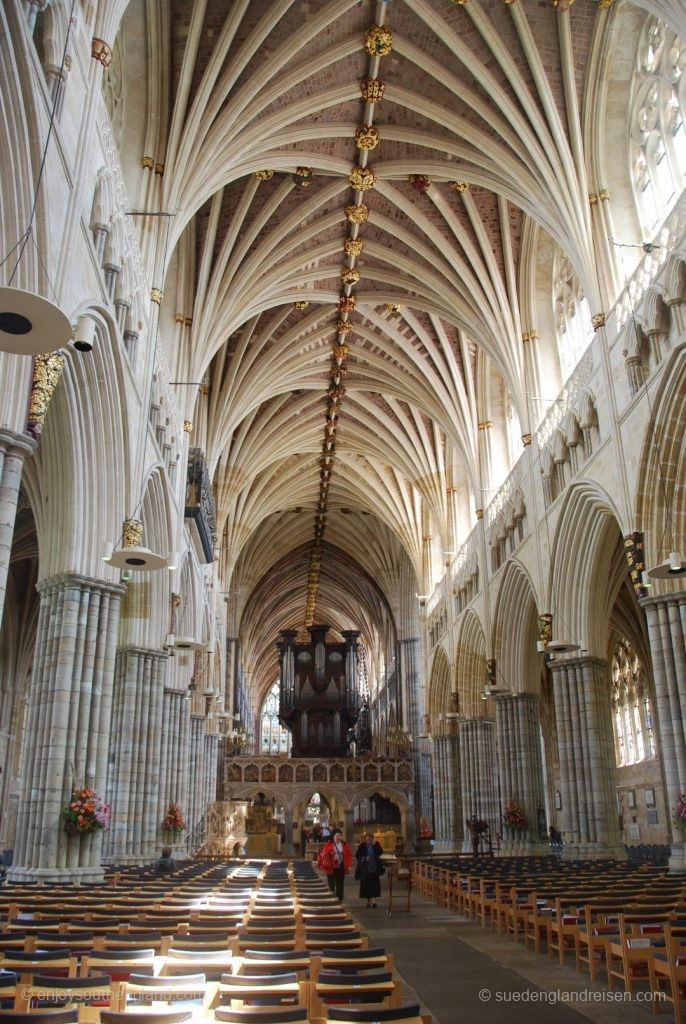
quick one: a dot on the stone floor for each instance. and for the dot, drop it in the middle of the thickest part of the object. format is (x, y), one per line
(464, 974)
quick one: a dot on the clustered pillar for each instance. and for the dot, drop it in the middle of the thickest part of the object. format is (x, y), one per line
(202, 768)
(520, 767)
(174, 767)
(587, 766)
(67, 730)
(667, 634)
(478, 774)
(135, 768)
(14, 448)
(449, 823)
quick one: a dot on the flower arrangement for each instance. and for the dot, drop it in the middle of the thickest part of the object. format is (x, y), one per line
(173, 819)
(86, 812)
(680, 812)
(514, 816)
(425, 830)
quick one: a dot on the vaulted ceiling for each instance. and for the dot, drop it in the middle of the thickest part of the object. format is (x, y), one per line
(361, 189)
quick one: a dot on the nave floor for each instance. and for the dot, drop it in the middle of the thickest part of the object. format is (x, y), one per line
(448, 962)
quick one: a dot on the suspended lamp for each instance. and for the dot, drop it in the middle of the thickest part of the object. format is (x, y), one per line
(132, 556)
(31, 325)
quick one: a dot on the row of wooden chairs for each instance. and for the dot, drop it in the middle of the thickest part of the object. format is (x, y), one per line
(238, 931)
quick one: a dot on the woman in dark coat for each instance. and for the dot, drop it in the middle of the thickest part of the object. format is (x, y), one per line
(369, 868)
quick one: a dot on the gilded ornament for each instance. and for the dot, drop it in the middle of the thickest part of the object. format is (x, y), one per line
(604, 5)
(604, 194)
(159, 168)
(263, 175)
(367, 137)
(362, 178)
(562, 5)
(336, 373)
(47, 370)
(479, 513)
(357, 213)
(303, 176)
(132, 533)
(344, 327)
(593, 199)
(336, 393)
(378, 41)
(526, 439)
(101, 51)
(372, 89)
(393, 307)
(351, 276)
(148, 163)
(458, 186)
(346, 303)
(534, 335)
(353, 246)
(156, 295)
(598, 321)
(187, 427)
(188, 322)
(420, 181)
(179, 318)
(301, 304)
(460, 3)
(526, 337)
(341, 352)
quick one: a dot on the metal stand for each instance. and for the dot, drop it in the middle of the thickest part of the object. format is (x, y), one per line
(399, 875)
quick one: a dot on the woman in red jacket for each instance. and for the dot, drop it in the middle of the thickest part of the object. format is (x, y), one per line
(336, 860)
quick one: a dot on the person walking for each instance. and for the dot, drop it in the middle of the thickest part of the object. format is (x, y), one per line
(336, 860)
(369, 869)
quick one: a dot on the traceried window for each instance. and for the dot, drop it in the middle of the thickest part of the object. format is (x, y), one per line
(274, 739)
(658, 134)
(572, 315)
(631, 712)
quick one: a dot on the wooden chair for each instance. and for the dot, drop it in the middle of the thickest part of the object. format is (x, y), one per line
(667, 973)
(260, 1014)
(629, 953)
(263, 989)
(593, 937)
(48, 990)
(379, 987)
(362, 1014)
(144, 1017)
(69, 1016)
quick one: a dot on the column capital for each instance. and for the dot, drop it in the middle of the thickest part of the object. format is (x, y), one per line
(63, 580)
(13, 443)
(144, 652)
(654, 600)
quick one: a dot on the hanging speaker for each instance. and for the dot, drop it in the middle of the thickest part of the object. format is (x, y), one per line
(31, 325)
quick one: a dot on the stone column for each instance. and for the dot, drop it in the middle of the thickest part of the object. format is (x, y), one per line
(14, 448)
(666, 617)
(520, 766)
(587, 758)
(174, 763)
(478, 775)
(413, 704)
(449, 823)
(202, 769)
(135, 768)
(66, 735)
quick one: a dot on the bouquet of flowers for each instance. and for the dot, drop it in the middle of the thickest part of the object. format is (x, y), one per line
(425, 830)
(680, 811)
(173, 819)
(86, 812)
(514, 816)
